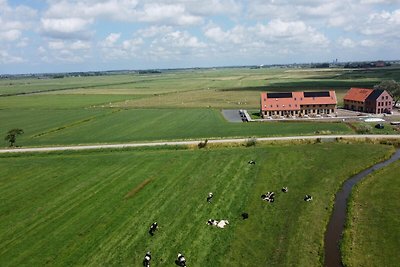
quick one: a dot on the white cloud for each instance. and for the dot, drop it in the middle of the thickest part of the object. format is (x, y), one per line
(383, 23)
(347, 42)
(68, 28)
(111, 39)
(6, 58)
(10, 35)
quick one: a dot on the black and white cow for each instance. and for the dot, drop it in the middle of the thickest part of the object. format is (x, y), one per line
(307, 198)
(146, 260)
(153, 228)
(284, 189)
(181, 261)
(210, 196)
(269, 196)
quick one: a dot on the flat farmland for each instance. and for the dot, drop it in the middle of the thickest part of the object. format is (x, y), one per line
(94, 208)
(67, 127)
(173, 105)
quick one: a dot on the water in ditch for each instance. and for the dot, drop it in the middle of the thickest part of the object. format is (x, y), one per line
(337, 221)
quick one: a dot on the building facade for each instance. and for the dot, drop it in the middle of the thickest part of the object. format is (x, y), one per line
(298, 104)
(367, 100)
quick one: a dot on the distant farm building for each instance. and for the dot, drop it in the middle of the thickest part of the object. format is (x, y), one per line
(298, 104)
(368, 100)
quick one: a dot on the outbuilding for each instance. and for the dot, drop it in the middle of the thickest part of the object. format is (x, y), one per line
(368, 100)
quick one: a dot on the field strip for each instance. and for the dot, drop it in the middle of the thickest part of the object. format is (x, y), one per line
(195, 142)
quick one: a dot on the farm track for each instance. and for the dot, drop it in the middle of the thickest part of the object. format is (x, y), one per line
(195, 142)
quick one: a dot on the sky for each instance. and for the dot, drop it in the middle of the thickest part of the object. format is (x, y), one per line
(93, 35)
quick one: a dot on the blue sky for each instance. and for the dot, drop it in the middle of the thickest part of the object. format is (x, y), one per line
(68, 35)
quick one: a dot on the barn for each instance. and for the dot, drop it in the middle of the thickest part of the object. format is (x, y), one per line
(368, 100)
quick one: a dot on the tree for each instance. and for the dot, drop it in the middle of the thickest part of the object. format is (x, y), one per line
(392, 87)
(12, 136)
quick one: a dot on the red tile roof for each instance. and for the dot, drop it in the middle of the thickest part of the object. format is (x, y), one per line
(296, 100)
(357, 94)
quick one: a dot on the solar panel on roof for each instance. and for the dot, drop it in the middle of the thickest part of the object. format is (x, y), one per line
(279, 95)
(316, 94)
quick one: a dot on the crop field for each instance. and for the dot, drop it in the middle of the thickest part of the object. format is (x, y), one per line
(173, 105)
(94, 208)
(372, 236)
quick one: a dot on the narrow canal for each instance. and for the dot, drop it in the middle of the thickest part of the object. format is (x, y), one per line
(337, 221)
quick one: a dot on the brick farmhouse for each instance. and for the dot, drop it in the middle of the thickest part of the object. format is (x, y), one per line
(298, 104)
(368, 100)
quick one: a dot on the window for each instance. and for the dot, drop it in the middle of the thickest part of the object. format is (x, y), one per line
(387, 97)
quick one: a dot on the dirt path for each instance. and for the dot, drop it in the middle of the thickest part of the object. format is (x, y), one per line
(195, 142)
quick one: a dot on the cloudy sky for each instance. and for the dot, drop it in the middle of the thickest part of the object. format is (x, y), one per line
(81, 35)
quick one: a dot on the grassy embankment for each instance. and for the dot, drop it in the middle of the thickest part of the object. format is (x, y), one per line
(372, 235)
(94, 208)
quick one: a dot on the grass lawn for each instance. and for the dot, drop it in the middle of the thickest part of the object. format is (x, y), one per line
(84, 126)
(372, 236)
(94, 208)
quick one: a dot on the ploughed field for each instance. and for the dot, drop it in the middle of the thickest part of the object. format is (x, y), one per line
(94, 208)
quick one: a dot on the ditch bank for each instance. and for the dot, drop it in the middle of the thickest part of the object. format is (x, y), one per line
(333, 234)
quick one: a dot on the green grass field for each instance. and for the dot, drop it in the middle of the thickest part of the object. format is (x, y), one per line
(372, 236)
(94, 208)
(73, 126)
(173, 105)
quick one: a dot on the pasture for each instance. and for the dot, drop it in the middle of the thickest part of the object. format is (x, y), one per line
(85, 126)
(372, 235)
(94, 208)
(173, 105)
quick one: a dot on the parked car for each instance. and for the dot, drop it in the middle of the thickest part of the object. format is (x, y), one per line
(379, 126)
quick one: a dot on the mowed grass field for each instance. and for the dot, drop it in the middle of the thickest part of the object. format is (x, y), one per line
(173, 105)
(67, 127)
(372, 236)
(94, 208)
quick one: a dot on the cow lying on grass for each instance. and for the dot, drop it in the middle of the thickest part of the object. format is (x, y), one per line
(269, 196)
(307, 198)
(219, 224)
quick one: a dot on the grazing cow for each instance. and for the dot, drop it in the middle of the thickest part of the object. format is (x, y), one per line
(146, 260)
(153, 228)
(209, 198)
(245, 215)
(284, 189)
(181, 261)
(251, 162)
(307, 198)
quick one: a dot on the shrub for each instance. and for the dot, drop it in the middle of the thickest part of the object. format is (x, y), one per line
(364, 129)
(251, 142)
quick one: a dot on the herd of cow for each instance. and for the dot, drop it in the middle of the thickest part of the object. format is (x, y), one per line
(181, 261)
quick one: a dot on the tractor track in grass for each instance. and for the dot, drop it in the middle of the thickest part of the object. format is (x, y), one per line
(195, 142)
